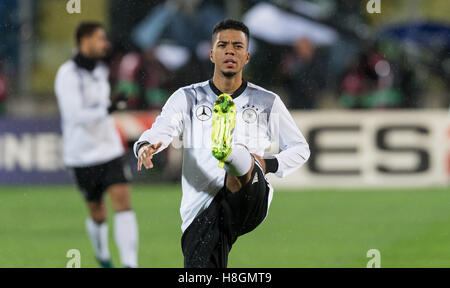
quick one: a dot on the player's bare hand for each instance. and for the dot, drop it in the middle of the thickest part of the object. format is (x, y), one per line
(145, 155)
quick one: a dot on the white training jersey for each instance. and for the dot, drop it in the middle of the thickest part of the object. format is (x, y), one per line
(261, 119)
(89, 133)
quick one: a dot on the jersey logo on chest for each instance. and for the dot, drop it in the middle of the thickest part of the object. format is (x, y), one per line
(203, 113)
(250, 114)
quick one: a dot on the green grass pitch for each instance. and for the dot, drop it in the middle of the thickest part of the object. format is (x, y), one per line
(311, 228)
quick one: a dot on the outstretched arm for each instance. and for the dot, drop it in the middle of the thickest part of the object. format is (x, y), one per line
(168, 124)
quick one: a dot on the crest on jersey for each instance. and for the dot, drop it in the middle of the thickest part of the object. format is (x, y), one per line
(249, 115)
(203, 113)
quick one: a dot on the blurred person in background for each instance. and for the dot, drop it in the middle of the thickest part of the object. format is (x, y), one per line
(369, 83)
(92, 148)
(303, 69)
(3, 88)
(142, 81)
(445, 68)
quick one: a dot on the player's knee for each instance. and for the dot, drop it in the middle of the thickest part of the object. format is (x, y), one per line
(233, 183)
(99, 219)
(122, 204)
(122, 207)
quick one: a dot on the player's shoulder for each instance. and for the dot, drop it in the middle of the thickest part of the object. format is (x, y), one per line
(194, 87)
(71, 69)
(190, 91)
(261, 91)
(186, 94)
(67, 68)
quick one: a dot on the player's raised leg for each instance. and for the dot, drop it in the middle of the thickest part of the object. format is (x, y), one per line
(247, 205)
(234, 158)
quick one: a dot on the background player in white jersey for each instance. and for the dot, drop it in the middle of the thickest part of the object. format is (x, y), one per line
(92, 146)
(229, 130)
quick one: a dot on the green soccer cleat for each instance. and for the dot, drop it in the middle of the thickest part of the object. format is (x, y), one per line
(224, 119)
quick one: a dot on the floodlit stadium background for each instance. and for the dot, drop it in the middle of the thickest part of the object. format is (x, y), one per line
(370, 92)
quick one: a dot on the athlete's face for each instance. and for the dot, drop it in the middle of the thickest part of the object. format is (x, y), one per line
(97, 44)
(229, 52)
